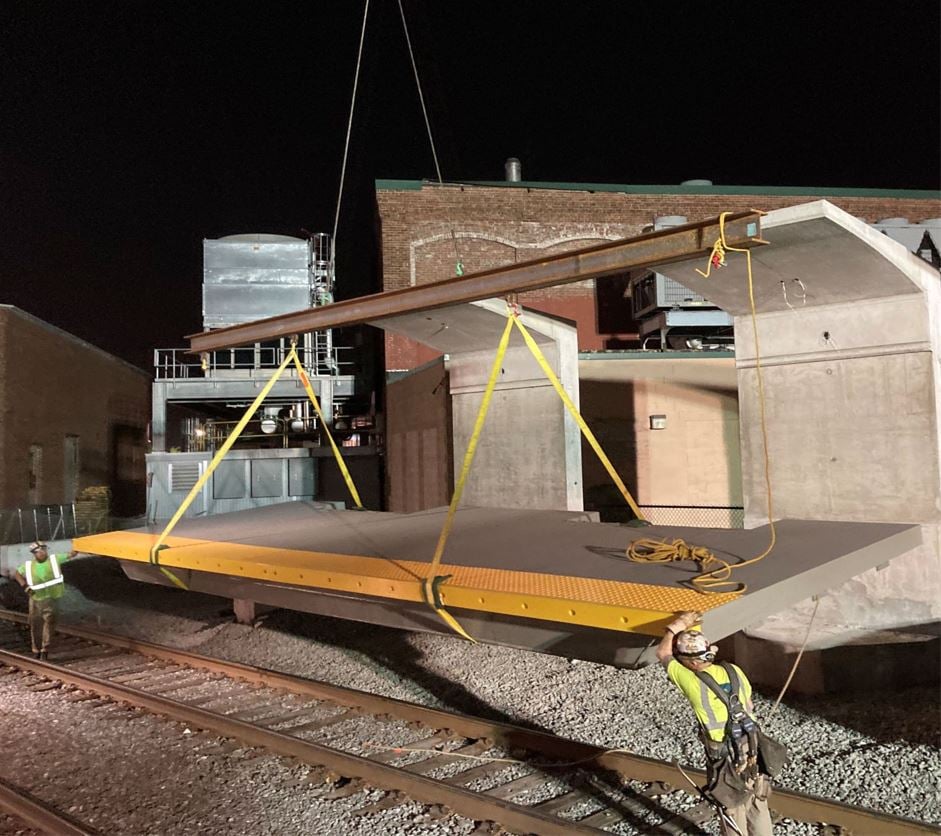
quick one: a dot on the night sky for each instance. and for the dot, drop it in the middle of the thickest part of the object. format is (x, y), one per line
(131, 131)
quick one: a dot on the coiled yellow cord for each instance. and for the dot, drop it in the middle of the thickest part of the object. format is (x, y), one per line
(719, 578)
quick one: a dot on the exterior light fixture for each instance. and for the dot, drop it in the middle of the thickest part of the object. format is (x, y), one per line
(268, 425)
(658, 422)
(297, 425)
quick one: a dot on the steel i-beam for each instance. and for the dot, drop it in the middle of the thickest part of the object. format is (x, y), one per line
(742, 229)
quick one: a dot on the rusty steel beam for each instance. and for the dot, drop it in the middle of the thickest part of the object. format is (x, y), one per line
(742, 229)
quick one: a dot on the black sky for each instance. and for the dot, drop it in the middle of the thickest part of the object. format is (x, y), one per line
(131, 131)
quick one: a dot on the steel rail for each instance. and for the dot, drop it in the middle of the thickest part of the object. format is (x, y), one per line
(742, 229)
(792, 805)
(425, 790)
(38, 814)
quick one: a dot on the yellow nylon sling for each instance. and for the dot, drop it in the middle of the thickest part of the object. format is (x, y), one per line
(220, 454)
(573, 411)
(432, 582)
(336, 450)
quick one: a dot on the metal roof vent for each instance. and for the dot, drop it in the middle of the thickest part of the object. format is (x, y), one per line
(514, 170)
(696, 183)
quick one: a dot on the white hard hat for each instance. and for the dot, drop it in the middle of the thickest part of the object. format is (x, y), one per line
(691, 644)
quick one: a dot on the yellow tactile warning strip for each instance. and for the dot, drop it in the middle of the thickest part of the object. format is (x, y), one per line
(589, 602)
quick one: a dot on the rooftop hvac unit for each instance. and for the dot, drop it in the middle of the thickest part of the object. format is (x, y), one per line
(652, 292)
(255, 276)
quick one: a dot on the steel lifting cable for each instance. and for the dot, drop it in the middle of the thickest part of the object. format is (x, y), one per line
(719, 578)
(349, 125)
(459, 265)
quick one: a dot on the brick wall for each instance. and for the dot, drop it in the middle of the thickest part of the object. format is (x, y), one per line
(496, 226)
(418, 441)
(53, 385)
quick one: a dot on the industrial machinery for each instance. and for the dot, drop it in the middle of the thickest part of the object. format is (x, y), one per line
(198, 399)
(678, 316)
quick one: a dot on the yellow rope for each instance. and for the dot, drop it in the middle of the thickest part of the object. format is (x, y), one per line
(719, 577)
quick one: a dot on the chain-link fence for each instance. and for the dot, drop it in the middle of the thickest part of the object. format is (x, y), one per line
(38, 522)
(696, 516)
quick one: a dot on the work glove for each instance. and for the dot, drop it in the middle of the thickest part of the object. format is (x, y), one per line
(684, 621)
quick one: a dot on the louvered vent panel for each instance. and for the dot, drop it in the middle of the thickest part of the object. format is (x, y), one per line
(183, 476)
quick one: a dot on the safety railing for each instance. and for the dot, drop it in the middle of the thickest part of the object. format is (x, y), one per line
(696, 516)
(38, 522)
(180, 364)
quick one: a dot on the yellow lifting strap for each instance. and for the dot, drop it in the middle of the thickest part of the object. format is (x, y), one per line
(431, 584)
(233, 437)
(336, 450)
(433, 581)
(718, 579)
(573, 411)
(220, 454)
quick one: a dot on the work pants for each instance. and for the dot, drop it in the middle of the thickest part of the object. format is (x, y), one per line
(42, 622)
(752, 818)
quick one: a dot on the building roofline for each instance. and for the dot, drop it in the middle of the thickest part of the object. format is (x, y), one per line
(71, 337)
(383, 185)
(655, 354)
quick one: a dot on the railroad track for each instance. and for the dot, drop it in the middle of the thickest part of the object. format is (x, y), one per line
(523, 780)
(36, 813)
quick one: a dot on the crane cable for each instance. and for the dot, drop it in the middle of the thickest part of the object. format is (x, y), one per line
(458, 264)
(349, 126)
(715, 573)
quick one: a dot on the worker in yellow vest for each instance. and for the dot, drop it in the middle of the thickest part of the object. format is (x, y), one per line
(41, 577)
(739, 758)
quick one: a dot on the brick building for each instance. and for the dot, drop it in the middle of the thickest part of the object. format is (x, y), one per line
(426, 229)
(71, 416)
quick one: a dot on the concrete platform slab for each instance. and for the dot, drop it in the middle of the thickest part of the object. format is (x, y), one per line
(547, 580)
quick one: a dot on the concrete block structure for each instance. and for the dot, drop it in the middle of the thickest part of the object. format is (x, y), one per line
(689, 457)
(849, 328)
(71, 416)
(684, 468)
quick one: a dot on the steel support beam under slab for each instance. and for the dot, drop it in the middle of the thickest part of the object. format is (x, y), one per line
(742, 229)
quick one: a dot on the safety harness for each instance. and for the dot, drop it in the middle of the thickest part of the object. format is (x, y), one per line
(56, 574)
(741, 731)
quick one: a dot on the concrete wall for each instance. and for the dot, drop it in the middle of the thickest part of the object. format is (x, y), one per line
(53, 385)
(852, 405)
(418, 440)
(499, 225)
(694, 461)
(529, 452)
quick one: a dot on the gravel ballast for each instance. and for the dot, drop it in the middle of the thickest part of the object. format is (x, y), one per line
(880, 750)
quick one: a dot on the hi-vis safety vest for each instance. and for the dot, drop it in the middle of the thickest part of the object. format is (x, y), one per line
(56, 574)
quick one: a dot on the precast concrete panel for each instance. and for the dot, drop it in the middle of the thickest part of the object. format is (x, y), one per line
(849, 328)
